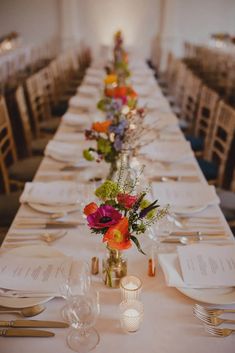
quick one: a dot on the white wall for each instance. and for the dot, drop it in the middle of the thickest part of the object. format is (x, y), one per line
(195, 20)
(35, 20)
(98, 20)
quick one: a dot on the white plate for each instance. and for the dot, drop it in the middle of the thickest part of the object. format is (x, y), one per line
(54, 208)
(30, 251)
(211, 295)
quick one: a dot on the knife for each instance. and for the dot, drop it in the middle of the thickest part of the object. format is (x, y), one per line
(33, 323)
(198, 233)
(25, 333)
(50, 224)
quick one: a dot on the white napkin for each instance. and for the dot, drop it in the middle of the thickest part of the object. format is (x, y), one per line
(72, 137)
(171, 269)
(161, 120)
(50, 193)
(88, 91)
(84, 103)
(165, 151)
(63, 151)
(92, 71)
(93, 81)
(75, 119)
(185, 194)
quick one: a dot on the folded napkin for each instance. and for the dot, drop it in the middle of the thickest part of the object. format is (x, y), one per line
(50, 193)
(92, 71)
(88, 91)
(185, 194)
(93, 81)
(171, 152)
(72, 137)
(63, 151)
(77, 120)
(171, 268)
(84, 103)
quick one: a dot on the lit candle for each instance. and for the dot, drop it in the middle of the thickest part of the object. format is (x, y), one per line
(131, 315)
(130, 287)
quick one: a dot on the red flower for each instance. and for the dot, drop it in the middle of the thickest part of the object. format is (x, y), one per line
(90, 208)
(118, 236)
(126, 200)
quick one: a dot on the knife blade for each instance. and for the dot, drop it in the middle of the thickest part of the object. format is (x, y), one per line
(198, 233)
(48, 224)
(25, 333)
(33, 323)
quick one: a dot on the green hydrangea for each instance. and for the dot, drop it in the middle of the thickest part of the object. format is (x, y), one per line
(88, 155)
(104, 146)
(107, 191)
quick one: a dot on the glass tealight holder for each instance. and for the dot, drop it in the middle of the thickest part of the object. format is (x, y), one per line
(131, 315)
(131, 287)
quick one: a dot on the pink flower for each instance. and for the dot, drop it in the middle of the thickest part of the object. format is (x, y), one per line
(127, 200)
(104, 217)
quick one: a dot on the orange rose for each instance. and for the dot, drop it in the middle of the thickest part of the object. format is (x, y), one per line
(101, 126)
(90, 208)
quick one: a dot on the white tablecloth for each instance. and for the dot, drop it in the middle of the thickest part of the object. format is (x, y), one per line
(168, 326)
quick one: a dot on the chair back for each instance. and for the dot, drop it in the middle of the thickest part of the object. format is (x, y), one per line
(206, 113)
(24, 117)
(191, 98)
(222, 137)
(7, 146)
(38, 103)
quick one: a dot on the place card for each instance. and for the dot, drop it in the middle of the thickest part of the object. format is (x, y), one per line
(207, 266)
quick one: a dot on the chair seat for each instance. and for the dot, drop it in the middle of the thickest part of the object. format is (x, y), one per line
(39, 145)
(60, 108)
(24, 169)
(209, 169)
(50, 126)
(197, 143)
(227, 203)
(9, 205)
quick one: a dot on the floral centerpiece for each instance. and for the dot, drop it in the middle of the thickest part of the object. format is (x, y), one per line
(122, 216)
(115, 135)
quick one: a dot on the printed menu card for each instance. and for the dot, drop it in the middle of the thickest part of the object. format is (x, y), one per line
(33, 274)
(208, 266)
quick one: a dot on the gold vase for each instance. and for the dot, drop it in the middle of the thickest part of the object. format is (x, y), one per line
(114, 267)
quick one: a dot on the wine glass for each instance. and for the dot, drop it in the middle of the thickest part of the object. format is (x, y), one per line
(76, 283)
(83, 313)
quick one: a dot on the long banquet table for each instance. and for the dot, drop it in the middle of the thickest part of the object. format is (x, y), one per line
(168, 326)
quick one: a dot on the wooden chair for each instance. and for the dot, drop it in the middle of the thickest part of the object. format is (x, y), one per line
(14, 172)
(206, 114)
(192, 90)
(222, 136)
(34, 146)
(42, 120)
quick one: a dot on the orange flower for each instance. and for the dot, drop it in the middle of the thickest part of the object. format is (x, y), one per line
(117, 236)
(90, 208)
(101, 126)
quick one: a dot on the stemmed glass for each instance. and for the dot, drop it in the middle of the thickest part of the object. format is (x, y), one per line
(83, 312)
(77, 282)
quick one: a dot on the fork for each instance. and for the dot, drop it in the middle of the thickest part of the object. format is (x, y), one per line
(212, 320)
(211, 312)
(219, 332)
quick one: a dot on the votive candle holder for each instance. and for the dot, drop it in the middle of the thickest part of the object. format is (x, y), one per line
(131, 315)
(131, 287)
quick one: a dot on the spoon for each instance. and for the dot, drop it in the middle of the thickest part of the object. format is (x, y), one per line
(26, 312)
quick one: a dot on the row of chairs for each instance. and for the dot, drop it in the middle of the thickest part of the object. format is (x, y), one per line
(43, 93)
(216, 66)
(207, 121)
